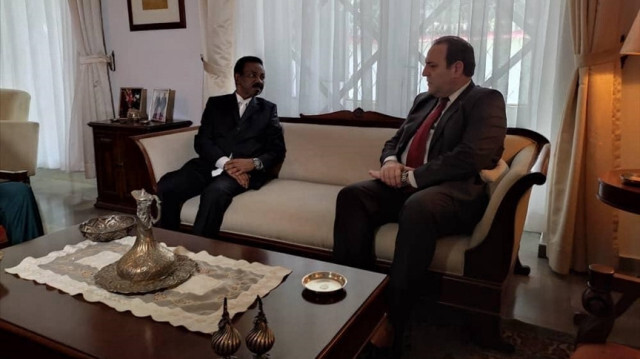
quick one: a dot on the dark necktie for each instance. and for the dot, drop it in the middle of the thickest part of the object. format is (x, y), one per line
(415, 155)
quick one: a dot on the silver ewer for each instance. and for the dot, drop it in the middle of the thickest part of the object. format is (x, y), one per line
(146, 260)
(147, 266)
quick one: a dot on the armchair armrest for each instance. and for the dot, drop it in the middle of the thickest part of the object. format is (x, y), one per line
(19, 146)
(166, 151)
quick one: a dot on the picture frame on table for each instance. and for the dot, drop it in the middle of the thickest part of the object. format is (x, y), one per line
(161, 109)
(156, 14)
(132, 103)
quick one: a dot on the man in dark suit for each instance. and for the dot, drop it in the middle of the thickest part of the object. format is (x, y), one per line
(429, 179)
(239, 141)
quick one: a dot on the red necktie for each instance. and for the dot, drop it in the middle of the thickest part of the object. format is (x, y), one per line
(415, 155)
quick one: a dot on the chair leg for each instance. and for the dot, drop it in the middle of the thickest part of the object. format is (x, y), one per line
(521, 269)
(485, 332)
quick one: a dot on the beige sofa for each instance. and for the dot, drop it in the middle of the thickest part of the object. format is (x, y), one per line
(297, 209)
(18, 136)
(295, 212)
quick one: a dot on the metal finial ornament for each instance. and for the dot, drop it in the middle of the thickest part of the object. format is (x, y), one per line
(226, 340)
(260, 339)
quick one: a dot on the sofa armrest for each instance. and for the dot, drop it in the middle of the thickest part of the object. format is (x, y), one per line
(497, 235)
(19, 146)
(166, 151)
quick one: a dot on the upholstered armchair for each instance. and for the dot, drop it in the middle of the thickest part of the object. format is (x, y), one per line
(18, 136)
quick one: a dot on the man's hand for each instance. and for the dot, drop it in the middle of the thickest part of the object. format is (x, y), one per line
(239, 166)
(390, 173)
(242, 179)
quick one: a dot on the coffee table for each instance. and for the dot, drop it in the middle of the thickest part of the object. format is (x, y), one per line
(37, 320)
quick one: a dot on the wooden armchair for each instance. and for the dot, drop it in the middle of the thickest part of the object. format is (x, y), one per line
(594, 327)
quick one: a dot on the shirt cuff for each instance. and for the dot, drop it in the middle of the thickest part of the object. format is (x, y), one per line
(412, 179)
(390, 158)
(222, 161)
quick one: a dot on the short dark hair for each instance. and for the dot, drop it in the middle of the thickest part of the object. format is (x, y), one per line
(239, 67)
(459, 49)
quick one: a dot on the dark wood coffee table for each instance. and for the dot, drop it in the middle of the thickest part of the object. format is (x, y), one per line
(40, 321)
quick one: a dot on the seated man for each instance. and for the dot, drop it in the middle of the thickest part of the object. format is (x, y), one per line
(239, 141)
(429, 180)
(19, 213)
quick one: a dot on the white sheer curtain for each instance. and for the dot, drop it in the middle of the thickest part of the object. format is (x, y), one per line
(217, 24)
(93, 92)
(324, 56)
(37, 56)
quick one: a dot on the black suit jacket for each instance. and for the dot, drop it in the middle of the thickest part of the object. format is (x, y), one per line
(469, 137)
(258, 134)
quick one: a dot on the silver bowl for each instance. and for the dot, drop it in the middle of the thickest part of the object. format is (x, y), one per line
(108, 228)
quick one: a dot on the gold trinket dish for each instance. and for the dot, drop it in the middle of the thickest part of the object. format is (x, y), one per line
(324, 282)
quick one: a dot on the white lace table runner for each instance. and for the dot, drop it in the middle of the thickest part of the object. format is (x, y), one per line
(195, 304)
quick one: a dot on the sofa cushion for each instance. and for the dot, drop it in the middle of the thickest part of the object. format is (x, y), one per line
(282, 210)
(447, 258)
(337, 155)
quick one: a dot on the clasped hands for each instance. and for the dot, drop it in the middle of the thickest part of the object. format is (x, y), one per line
(390, 173)
(239, 169)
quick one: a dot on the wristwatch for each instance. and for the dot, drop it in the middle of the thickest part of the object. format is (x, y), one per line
(404, 178)
(258, 164)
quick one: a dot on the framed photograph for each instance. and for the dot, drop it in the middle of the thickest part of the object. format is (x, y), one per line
(156, 14)
(161, 109)
(132, 98)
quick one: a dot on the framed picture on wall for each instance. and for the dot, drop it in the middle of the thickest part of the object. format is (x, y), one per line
(156, 14)
(132, 100)
(161, 109)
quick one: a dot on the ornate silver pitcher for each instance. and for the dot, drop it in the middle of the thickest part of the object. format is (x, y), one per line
(146, 260)
(147, 266)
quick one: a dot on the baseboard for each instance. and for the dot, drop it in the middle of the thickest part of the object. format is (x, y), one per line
(629, 265)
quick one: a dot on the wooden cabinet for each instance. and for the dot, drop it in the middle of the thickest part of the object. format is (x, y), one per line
(120, 167)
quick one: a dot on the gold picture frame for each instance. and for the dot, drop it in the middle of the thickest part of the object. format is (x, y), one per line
(156, 14)
(132, 98)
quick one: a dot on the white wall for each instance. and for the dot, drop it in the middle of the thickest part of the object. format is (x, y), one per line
(156, 58)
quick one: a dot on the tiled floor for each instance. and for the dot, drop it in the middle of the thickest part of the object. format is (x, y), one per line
(543, 298)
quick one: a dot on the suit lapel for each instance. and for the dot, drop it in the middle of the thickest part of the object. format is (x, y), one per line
(418, 117)
(232, 107)
(252, 107)
(448, 114)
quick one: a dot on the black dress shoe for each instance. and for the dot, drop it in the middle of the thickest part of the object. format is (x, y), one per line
(371, 351)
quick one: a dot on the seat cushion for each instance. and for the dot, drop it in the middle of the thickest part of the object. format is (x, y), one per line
(283, 210)
(448, 257)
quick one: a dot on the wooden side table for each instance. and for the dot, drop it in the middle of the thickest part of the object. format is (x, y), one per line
(613, 192)
(120, 167)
